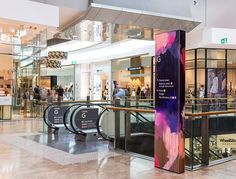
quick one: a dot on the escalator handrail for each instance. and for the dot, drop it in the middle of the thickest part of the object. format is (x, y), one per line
(148, 124)
(73, 113)
(99, 118)
(50, 125)
(142, 106)
(186, 132)
(98, 127)
(65, 116)
(194, 156)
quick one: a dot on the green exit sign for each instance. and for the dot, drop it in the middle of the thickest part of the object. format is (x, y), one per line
(73, 62)
(224, 41)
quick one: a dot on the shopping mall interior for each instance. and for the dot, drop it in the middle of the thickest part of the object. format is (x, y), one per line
(117, 89)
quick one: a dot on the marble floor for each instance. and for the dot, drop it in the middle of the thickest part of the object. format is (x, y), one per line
(24, 157)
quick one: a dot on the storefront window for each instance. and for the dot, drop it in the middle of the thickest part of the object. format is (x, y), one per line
(53, 77)
(200, 78)
(94, 80)
(231, 73)
(206, 77)
(190, 75)
(134, 76)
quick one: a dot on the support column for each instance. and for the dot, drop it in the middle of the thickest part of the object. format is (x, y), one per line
(169, 99)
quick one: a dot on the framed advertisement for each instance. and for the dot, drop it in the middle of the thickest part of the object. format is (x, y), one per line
(216, 89)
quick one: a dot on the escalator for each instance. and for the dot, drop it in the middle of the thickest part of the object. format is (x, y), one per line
(140, 139)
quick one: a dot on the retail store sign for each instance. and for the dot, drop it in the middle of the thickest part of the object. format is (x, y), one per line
(224, 40)
(226, 141)
(135, 68)
(86, 118)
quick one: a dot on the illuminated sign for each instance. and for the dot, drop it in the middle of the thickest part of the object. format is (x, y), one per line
(135, 68)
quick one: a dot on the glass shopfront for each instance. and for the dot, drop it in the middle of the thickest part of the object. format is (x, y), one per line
(210, 86)
(210, 73)
(53, 77)
(94, 80)
(134, 75)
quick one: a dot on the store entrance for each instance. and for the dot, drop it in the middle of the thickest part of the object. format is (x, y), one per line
(134, 75)
(100, 86)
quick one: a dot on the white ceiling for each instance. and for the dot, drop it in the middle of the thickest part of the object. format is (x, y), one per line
(102, 52)
(67, 16)
(118, 15)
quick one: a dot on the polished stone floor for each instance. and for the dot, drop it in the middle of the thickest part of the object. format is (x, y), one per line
(23, 156)
(66, 142)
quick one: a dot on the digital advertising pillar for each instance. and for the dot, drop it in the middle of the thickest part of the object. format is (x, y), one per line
(170, 100)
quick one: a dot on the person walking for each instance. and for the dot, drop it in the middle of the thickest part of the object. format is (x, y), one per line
(60, 93)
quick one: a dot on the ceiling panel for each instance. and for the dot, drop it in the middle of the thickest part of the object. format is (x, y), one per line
(110, 14)
(127, 18)
(107, 15)
(145, 20)
(92, 13)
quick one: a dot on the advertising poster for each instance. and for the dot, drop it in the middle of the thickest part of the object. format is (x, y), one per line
(170, 95)
(216, 89)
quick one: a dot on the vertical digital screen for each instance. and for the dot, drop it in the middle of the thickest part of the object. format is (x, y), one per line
(170, 95)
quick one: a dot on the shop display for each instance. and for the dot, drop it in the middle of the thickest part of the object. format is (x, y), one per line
(216, 88)
(211, 74)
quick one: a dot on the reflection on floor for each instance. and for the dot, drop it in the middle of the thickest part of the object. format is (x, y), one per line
(67, 143)
(23, 157)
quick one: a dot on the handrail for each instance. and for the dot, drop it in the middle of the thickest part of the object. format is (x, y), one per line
(63, 103)
(75, 110)
(209, 113)
(108, 108)
(208, 98)
(186, 114)
(77, 101)
(195, 138)
(191, 105)
(130, 109)
(195, 157)
(148, 122)
(44, 118)
(98, 127)
(138, 99)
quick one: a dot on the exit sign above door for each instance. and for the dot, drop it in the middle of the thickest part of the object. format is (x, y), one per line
(224, 40)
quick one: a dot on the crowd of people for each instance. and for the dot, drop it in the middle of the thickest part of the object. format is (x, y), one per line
(57, 93)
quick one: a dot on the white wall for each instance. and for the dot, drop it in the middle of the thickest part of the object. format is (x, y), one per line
(211, 37)
(75, 4)
(31, 12)
(218, 22)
